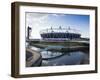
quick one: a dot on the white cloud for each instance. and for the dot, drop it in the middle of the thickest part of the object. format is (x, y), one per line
(37, 22)
(56, 15)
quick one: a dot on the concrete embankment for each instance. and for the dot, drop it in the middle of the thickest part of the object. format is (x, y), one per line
(34, 58)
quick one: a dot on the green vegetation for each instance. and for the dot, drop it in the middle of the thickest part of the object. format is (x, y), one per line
(65, 44)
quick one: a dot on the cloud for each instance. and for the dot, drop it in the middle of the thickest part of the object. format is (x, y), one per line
(37, 22)
(34, 18)
(57, 15)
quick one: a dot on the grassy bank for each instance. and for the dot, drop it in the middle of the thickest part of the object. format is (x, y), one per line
(65, 44)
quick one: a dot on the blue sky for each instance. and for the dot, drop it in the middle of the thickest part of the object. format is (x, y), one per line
(39, 21)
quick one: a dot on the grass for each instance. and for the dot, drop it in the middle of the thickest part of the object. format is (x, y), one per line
(65, 44)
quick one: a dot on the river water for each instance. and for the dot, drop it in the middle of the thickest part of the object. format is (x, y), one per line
(51, 58)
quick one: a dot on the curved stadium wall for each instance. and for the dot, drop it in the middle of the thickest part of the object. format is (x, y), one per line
(59, 34)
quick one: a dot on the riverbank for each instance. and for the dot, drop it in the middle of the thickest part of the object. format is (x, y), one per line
(61, 46)
(33, 58)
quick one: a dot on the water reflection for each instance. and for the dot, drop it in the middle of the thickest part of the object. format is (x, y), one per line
(77, 57)
(50, 54)
(52, 58)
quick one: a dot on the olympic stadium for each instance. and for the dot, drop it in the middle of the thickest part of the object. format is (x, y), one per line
(60, 34)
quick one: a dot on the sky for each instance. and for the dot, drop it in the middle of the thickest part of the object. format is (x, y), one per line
(40, 21)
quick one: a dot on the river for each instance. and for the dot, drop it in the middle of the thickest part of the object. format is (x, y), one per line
(52, 58)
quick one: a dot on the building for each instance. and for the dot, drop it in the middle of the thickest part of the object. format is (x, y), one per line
(59, 34)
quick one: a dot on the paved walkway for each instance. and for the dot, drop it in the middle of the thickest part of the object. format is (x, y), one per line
(35, 60)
